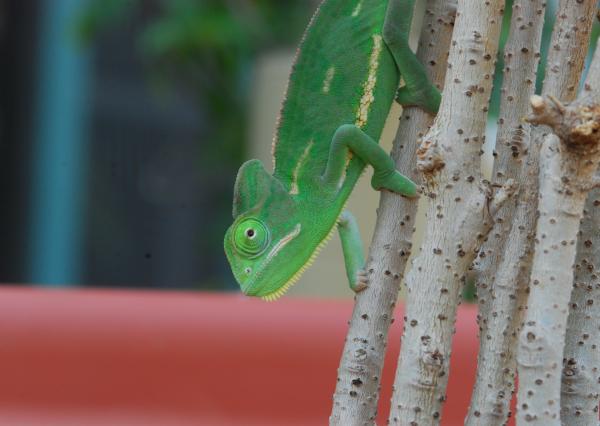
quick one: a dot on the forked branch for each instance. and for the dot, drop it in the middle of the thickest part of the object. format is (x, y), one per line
(568, 164)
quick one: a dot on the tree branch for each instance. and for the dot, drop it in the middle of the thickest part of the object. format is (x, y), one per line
(581, 359)
(567, 166)
(457, 215)
(357, 389)
(576, 125)
(505, 256)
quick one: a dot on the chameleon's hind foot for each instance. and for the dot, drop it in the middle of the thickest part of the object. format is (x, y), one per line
(361, 281)
(394, 182)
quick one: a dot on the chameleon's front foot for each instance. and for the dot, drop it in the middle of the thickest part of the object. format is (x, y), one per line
(361, 281)
(394, 181)
(348, 137)
(428, 98)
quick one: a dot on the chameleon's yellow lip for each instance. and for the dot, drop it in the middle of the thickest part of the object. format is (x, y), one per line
(249, 288)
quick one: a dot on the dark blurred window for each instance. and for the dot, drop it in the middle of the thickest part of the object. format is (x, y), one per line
(122, 127)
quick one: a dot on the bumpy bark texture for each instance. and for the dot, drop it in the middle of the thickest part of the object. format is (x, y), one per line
(357, 390)
(459, 208)
(568, 161)
(581, 363)
(502, 270)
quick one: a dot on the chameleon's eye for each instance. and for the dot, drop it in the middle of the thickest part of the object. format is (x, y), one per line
(251, 237)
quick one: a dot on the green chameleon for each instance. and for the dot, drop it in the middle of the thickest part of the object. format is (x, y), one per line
(340, 91)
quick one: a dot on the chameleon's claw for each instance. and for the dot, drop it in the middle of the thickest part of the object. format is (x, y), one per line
(362, 281)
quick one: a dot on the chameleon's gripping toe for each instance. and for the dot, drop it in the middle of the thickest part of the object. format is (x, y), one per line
(361, 281)
(394, 182)
(427, 98)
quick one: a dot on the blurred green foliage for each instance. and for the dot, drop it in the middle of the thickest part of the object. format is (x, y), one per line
(209, 45)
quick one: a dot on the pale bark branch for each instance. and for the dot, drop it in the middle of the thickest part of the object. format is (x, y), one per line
(595, 183)
(457, 216)
(581, 359)
(576, 126)
(357, 389)
(568, 48)
(505, 257)
(500, 198)
(567, 166)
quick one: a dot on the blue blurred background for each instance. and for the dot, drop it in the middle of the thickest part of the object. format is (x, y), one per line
(123, 123)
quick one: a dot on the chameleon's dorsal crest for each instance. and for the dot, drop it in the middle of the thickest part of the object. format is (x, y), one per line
(255, 187)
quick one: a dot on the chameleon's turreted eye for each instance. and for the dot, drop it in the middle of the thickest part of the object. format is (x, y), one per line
(251, 237)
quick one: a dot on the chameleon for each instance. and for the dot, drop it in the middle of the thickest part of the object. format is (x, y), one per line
(345, 78)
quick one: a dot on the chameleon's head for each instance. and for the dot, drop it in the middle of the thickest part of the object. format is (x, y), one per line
(263, 245)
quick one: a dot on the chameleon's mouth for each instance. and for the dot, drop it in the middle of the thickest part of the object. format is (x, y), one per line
(249, 287)
(271, 297)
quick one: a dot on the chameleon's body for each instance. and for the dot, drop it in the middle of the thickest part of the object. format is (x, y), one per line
(339, 94)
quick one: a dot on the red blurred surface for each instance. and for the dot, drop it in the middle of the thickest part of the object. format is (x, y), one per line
(96, 357)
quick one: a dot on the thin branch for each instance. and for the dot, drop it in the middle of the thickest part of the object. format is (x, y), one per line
(505, 256)
(581, 359)
(357, 390)
(457, 215)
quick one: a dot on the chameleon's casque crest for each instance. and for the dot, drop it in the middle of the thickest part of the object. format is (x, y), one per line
(254, 187)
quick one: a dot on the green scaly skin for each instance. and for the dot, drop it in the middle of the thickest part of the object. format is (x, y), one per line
(340, 91)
